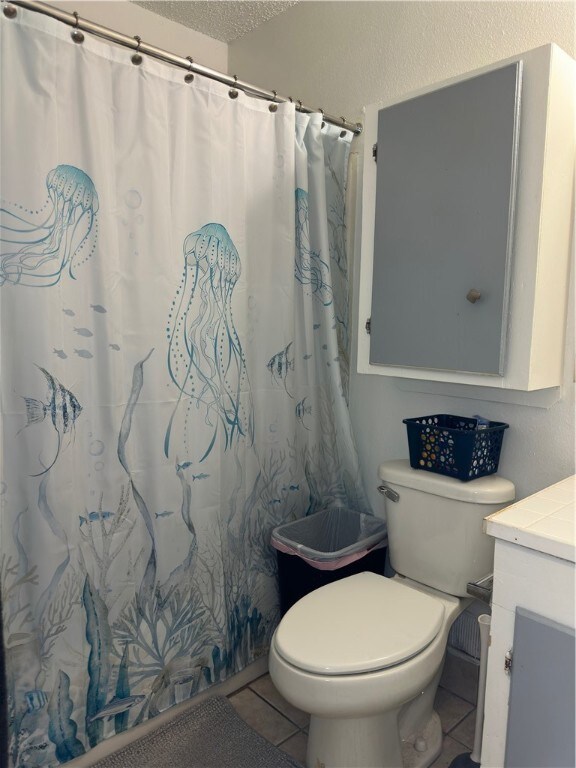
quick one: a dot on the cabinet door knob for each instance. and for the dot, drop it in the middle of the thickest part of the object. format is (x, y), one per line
(473, 295)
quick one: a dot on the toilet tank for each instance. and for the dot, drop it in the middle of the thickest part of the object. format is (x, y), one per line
(435, 528)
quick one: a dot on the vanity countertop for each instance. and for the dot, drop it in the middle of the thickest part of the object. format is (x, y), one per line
(544, 521)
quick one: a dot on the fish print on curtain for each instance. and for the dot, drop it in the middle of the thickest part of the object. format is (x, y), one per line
(171, 390)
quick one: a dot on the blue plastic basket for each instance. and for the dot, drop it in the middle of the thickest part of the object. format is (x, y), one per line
(455, 445)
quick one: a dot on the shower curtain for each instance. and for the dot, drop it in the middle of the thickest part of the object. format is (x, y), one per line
(173, 306)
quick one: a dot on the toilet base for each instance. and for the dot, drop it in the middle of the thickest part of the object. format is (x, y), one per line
(366, 742)
(371, 742)
(421, 749)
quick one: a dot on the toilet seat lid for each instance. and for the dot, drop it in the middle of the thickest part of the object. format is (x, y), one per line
(362, 623)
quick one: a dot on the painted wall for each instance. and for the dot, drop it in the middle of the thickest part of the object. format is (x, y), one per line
(344, 55)
(131, 20)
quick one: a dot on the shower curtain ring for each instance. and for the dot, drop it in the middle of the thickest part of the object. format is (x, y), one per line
(299, 107)
(233, 93)
(77, 35)
(10, 11)
(189, 77)
(273, 107)
(322, 113)
(344, 131)
(137, 58)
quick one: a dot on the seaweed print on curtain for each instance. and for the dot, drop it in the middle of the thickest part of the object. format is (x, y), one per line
(171, 385)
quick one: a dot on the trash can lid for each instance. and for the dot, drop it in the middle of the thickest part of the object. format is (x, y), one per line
(362, 623)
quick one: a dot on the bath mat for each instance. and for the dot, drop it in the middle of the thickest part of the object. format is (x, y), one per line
(209, 735)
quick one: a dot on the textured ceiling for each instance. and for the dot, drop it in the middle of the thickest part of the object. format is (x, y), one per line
(224, 20)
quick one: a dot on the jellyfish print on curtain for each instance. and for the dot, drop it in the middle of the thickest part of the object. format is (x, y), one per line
(38, 253)
(205, 357)
(310, 269)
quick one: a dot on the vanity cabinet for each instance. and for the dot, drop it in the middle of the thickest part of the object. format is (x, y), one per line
(530, 686)
(466, 222)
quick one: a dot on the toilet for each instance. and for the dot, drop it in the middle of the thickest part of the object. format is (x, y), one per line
(364, 655)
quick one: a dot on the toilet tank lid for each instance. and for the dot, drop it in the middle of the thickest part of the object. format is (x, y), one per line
(491, 489)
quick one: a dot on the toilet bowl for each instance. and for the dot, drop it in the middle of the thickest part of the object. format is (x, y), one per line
(364, 655)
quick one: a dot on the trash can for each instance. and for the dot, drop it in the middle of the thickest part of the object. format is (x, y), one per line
(325, 547)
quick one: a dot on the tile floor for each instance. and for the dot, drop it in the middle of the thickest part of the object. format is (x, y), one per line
(262, 707)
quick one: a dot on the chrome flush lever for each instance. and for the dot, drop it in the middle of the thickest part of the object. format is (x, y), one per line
(388, 492)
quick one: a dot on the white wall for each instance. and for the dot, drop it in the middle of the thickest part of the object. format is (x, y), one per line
(344, 55)
(131, 20)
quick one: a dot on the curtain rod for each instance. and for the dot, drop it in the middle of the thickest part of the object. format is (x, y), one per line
(73, 20)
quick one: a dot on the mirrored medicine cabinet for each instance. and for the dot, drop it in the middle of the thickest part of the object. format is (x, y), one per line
(466, 215)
